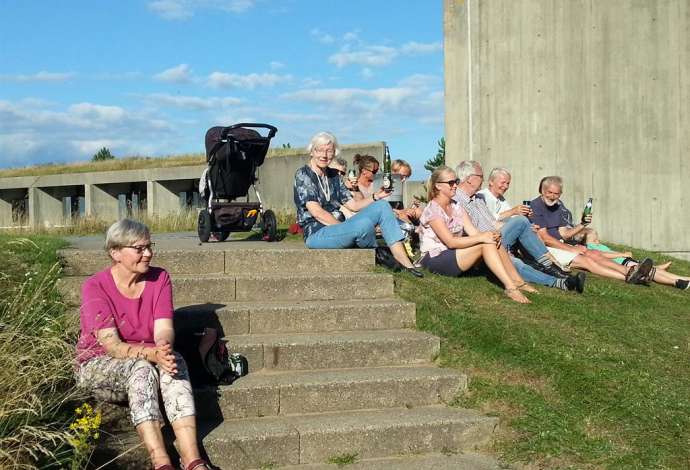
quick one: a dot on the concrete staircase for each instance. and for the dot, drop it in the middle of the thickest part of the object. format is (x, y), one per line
(336, 368)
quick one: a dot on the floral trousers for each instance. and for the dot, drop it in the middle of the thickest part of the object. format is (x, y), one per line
(138, 382)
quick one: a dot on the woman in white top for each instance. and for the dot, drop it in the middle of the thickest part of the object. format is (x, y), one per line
(445, 250)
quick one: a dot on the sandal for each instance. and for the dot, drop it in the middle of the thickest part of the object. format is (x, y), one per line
(527, 288)
(517, 296)
(165, 466)
(196, 464)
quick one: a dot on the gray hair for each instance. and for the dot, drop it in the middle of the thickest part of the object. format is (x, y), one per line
(125, 232)
(499, 170)
(549, 181)
(340, 161)
(323, 138)
(466, 168)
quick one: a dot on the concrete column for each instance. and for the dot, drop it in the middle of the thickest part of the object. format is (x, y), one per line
(101, 202)
(5, 211)
(48, 210)
(163, 198)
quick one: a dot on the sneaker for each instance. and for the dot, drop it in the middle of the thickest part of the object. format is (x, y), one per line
(576, 282)
(639, 273)
(554, 271)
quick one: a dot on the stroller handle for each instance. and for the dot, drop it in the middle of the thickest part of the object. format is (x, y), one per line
(271, 129)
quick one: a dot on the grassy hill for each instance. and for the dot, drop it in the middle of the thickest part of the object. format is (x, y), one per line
(600, 380)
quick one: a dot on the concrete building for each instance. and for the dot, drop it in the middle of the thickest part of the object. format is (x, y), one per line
(595, 91)
(58, 199)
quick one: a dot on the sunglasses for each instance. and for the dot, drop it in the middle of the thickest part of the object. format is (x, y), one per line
(454, 182)
(373, 172)
(140, 249)
(341, 172)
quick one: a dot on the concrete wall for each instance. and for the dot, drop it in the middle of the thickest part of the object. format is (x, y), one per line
(159, 187)
(595, 91)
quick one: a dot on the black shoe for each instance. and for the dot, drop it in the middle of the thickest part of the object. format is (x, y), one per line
(638, 274)
(576, 282)
(552, 270)
(414, 271)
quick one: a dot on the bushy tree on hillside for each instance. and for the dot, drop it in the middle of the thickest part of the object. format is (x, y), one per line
(439, 159)
(102, 154)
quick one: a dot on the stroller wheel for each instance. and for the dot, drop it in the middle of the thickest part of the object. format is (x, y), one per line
(269, 225)
(222, 236)
(204, 225)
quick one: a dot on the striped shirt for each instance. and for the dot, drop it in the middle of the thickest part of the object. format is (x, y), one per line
(476, 208)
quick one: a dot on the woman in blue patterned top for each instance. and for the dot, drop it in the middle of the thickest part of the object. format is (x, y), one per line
(319, 195)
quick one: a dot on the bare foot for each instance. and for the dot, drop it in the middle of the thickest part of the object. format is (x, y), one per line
(527, 288)
(517, 296)
(664, 266)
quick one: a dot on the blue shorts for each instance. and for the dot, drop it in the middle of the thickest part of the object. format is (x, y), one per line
(444, 263)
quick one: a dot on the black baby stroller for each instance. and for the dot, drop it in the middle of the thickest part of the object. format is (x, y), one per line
(233, 154)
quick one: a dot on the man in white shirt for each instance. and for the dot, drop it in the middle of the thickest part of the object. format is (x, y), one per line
(494, 196)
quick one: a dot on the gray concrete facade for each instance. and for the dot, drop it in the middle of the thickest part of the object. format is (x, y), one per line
(595, 91)
(57, 200)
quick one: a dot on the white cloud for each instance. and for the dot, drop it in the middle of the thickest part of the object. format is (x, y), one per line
(367, 73)
(374, 56)
(378, 56)
(276, 65)
(193, 102)
(413, 48)
(178, 74)
(249, 82)
(48, 134)
(351, 36)
(41, 76)
(321, 36)
(185, 9)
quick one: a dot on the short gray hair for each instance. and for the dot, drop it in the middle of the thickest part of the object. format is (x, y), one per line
(125, 232)
(323, 138)
(499, 170)
(466, 168)
(549, 181)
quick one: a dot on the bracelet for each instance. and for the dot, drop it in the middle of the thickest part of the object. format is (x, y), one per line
(373, 197)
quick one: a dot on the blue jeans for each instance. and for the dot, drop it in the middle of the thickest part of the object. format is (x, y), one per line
(360, 230)
(519, 228)
(530, 274)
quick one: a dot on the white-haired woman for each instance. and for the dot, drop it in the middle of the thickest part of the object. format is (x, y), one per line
(125, 350)
(319, 195)
(450, 243)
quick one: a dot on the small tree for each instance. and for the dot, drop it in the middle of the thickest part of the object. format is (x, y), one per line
(102, 154)
(287, 146)
(440, 158)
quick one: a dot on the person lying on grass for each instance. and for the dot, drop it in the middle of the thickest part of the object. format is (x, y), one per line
(125, 354)
(451, 245)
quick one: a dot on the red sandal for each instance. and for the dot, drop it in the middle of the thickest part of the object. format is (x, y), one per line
(166, 466)
(195, 464)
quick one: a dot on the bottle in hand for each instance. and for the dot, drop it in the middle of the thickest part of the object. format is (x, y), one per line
(387, 175)
(587, 211)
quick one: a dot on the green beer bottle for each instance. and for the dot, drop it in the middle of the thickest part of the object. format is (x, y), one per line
(587, 211)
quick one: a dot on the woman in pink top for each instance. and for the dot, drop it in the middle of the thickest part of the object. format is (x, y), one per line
(125, 346)
(445, 250)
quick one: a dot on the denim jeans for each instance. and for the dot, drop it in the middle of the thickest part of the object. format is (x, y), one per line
(360, 230)
(529, 274)
(519, 229)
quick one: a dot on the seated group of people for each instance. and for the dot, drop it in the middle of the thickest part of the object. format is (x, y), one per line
(462, 227)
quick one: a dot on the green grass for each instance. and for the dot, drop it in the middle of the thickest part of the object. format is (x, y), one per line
(600, 380)
(343, 459)
(128, 163)
(36, 357)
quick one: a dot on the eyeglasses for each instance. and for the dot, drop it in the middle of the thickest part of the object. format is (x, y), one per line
(474, 174)
(373, 172)
(454, 182)
(140, 249)
(324, 153)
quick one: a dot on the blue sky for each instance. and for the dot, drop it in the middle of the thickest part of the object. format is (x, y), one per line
(150, 77)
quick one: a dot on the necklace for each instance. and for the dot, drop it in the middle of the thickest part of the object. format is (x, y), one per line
(324, 186)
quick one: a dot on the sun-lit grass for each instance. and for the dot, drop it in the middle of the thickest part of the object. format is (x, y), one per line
(128, 163)
(36, 357)
(600, 380)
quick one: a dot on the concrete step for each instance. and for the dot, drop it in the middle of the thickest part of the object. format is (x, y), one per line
(448, 461)
(297, 392)
(335, 350)
(189, 289)
(298, 317)
(312, 439)
(232, 261)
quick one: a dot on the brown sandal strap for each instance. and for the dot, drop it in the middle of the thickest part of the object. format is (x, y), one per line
(195, 464)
